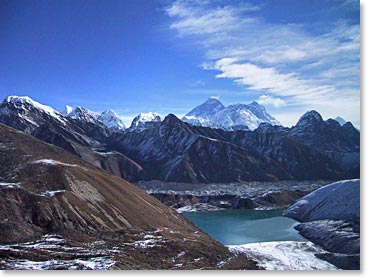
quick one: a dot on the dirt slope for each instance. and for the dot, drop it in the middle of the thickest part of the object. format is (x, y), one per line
(46, 190)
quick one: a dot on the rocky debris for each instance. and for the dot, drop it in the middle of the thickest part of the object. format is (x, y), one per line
(246, 195)
(334, 236)
(331, 219)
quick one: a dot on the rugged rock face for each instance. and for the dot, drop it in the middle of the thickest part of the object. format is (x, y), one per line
(177, 151)
(79, 132)
(46, 190)
(340, 143)
(331, 217)
(173, 150)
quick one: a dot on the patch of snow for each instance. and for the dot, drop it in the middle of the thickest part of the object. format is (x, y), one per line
(99, 263)
(340, 120)
(198, 208)
(179, 255)
(51, 162)
(149, 241)
(51, 193)
(10, 185)
(284, 255)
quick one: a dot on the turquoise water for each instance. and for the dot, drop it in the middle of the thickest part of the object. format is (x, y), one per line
(246, 226)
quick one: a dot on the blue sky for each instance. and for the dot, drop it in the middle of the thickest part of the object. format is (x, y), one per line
(169, 56)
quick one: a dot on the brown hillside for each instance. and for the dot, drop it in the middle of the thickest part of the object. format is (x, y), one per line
(46, 190)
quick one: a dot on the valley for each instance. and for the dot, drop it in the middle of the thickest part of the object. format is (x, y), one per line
(245, 195)
(68, 202)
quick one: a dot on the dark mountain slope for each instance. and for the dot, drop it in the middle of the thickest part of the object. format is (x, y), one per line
(339, 143)
(177, 151)
(81, 135)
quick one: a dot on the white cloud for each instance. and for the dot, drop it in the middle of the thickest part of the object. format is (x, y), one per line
(280, 61)
(271, 81)
(268, 100)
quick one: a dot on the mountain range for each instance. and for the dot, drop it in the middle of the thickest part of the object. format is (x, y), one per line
(173, 150)
(212, 113)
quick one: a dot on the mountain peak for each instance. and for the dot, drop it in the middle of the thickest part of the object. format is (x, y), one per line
(340, 120)
(110, 119)
(212, 113)
(255, 104)
(171, 119)
(203, 114)
(145, 120)
(67, 110)
(24, 103)
(83, 114)
(109, 111)
(310, 116)
(212, 100)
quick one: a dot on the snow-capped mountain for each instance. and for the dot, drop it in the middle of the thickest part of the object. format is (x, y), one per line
(340, 120)
(212, 113)
(111, 120)
(29, 114)
(67, 110)
(83, 114)
(145, 120)
(203, 115)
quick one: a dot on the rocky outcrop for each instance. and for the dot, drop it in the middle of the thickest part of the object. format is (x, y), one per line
(331, 218)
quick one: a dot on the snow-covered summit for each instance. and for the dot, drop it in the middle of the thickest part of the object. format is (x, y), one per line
(111, 120)
(212, 113)
(67, 110)
(144, 120)
(340, 120)
(25, 104)
(203, 115)
(83, 114)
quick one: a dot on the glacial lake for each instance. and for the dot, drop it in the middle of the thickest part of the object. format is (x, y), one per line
(246, 226)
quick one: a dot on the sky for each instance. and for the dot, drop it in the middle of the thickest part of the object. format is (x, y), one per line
(165, 56)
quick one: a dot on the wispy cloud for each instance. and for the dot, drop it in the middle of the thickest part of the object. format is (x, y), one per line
(280, 60)
(268, 100)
